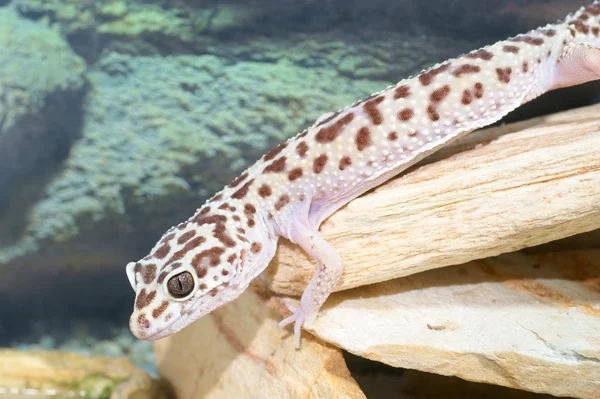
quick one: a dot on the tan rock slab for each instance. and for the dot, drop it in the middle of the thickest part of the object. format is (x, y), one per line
(238, 351)
(496, 191)
(530, 322)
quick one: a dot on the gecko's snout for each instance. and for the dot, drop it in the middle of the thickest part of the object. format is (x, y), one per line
(140, 326)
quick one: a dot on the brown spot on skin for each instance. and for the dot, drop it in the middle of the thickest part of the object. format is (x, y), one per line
(467, 97)
(143, 299)
(301, 149)
(256, 247)
(580, 27)
(231, 258)
(168, 238)
(205, 210)
(596, 31)
(236, 218)
(202, 287)
(319, 163)
(481, 54)
(534, 41)
(238, 180)
(213, 254)
(283, 200)
(149, 274)
(583, 16)
(328, 119)
(202, 272)
(224, 272)
(224, 206)
(373, 113)
(525, 67)
(465, 69)
(214, 219)
(572, 31)
(549, 32)
(345, 162)
(160, 310)
(213, 292)
(504, 74)
(251, 222)
(241, 193)
(137, 268)
(294, 174)
(433, 114)
(274, 152)
(593, 9)
(220, 234)
(510, 49)
(217, 197)
(249, 209)
(188, 247)
(186, 236)
(439, 94)
(478, 89)
(363, 138)
(143, 321)
(393, 136)
(405, 114)
(162, 252)
(330, 133)
(303, 134)
(264, 191)
(401, 92)
(427, 77)
(276, 166)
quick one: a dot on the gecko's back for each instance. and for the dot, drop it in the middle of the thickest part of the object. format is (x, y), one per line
(210, 259)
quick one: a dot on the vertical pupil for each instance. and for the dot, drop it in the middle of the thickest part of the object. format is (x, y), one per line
(180, 283)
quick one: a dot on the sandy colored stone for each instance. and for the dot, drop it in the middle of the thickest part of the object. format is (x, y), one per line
(496, 191)
(530, 322)
(68, 374)
(239, 352)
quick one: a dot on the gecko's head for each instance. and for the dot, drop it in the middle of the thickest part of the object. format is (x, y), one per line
(192, 270)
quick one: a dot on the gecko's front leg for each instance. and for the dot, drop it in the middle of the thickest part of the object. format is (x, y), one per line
(329, 269)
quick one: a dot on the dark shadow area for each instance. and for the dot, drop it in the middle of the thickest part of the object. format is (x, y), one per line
(380, 381)
(32, 150)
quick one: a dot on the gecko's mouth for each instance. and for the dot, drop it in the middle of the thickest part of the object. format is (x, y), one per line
(150, 334)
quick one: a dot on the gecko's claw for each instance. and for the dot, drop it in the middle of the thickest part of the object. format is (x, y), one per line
(297, 317)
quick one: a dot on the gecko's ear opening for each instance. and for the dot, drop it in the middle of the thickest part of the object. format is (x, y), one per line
(131, 274)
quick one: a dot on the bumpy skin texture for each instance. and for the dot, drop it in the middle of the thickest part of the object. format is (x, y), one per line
(231, 239)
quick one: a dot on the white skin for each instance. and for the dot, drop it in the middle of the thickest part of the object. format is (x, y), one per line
(209, 260)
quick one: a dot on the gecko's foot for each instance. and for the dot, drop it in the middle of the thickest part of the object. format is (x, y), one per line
(297, 317)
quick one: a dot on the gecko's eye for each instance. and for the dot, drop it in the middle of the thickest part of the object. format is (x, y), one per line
(181, 285)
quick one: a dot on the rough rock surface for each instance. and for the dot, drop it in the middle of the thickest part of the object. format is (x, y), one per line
(530, 322)
(42, 86)
(238, 352)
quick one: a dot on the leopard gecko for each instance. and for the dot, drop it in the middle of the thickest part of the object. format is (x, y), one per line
(210, 259)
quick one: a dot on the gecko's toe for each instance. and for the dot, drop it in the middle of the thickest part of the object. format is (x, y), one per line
(297, 317)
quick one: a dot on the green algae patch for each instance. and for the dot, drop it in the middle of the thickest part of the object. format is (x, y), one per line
(149, 21)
